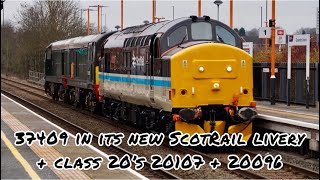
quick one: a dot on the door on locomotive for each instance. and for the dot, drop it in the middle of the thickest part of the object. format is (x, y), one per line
(154, 53)
(90, 67)
(48, 62)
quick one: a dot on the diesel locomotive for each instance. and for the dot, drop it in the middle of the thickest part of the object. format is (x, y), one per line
(188, 74)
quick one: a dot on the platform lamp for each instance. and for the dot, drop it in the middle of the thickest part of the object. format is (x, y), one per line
(88, 11)
(117, 27)
(218, 3)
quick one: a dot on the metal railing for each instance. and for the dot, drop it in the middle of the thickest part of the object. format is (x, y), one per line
(36, 78)
(261, 80)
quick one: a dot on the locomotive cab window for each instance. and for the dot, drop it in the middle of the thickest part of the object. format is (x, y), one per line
(224, 36)
(201, 31)
(178, 36)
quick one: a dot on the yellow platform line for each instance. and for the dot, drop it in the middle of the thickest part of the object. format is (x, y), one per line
(46, 152)
(27, 167)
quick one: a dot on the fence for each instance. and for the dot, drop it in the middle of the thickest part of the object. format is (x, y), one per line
(36, 78)
(261, 82)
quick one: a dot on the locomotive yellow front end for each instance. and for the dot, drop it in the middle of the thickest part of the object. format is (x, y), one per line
(212, 90)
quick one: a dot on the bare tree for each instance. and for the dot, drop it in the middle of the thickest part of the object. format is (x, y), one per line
(8, 39)
(43, 22)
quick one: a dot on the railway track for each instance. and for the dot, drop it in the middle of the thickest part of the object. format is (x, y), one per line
(115, 150)
(291, 168)
(24, 84)
(288, 170)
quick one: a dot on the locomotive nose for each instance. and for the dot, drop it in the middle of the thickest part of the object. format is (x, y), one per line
(209, 74)
(218, 79)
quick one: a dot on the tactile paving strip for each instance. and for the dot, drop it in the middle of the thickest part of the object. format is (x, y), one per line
(46, 152)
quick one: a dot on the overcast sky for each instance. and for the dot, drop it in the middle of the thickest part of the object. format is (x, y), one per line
(290, 14)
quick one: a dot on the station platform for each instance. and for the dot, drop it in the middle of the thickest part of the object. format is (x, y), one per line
(293, 112)
(19, 162)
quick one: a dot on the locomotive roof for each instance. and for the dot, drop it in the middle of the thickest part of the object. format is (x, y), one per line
(76, 42)
(117, 39)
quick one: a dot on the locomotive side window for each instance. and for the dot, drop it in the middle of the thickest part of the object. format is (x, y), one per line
(143, 40)
(133, 42)
(225, 36)
(125, 42)
(129, 42)
(102, 64)
(81, 62)
(201, 31)
(139, 41)
(112, 63)
(147, 41)
(56, 58)
(178, 36)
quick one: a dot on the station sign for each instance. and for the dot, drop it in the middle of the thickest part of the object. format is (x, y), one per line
(248, 47)
(280, 36)
(267, 70)
(265, 32)
(299, 40)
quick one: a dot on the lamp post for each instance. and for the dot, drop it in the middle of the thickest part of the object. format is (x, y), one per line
(261, 16)
(154, 11)
(99, 14)
(273, 77)
(105, 22)
(231, 14)
(172, 12)
(105, 19)
(121, 4)
(88, 11)
(218, 3)
(266, 40)
(199, 8)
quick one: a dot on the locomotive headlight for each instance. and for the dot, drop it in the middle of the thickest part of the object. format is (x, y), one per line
(229, 68)
(201, 69)
(216, 86)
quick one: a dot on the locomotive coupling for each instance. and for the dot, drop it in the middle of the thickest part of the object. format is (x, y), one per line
(247, 113)
(189, 114)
